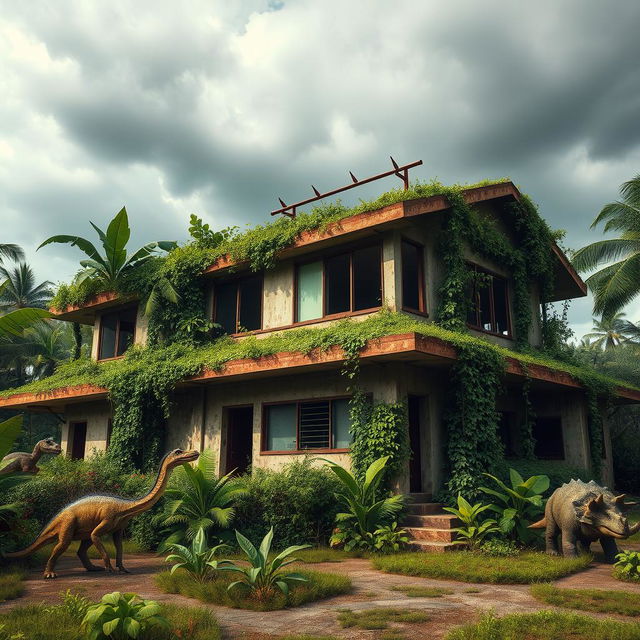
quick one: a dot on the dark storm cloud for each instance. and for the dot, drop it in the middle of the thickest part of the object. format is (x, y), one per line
(222, 107)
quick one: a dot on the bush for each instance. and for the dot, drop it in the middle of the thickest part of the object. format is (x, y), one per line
(627, 566)
(497, 548)
(557, 472)
(298, 502)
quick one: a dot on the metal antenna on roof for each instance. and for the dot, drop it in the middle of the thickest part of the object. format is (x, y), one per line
(401, 172)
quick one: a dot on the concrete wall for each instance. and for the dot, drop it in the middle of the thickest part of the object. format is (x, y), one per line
(96, 415)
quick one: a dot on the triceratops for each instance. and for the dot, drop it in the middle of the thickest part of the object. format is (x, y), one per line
(583, 513)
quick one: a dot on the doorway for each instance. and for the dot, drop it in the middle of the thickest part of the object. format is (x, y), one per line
(78, 439)
(415, 464)
(239, 439)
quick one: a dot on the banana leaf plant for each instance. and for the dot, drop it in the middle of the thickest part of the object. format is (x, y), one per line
(263, 577)
(365, 512)
(519, 504)
(109, 269)
(199, 561)
(473, 532)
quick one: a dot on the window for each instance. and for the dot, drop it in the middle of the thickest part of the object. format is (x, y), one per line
(547, 432)
(489, 302)
(117, 331)
(314, 424)
(505, 431)
(412, 277)
(238, 305)
(342, 283)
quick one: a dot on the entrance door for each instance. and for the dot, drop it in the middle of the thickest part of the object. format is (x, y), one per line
(415, 465)
(239, 438)
(78, 437)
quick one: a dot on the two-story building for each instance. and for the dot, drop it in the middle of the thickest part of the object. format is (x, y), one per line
(265, 412)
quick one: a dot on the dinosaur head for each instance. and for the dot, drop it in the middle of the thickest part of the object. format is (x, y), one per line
(178, 456)
(48, 445)
(605, 516)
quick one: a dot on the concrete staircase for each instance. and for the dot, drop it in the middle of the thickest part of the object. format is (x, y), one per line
(429, 526)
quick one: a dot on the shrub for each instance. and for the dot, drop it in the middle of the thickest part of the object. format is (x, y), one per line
(627, 566)
(497, 548)
(298, 502)
(473, 532)
(262, 577)
(365, 511)
(74, 605)
(199, 560)
(122, 615)
(390, 539)
(558, 472)
(519, 504)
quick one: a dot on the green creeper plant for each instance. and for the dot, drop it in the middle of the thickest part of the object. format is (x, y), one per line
(519, 504)
(365, 511)
(198, 500)
(474, 531)
(199, 560)
(263, 577)
(120, 616)
(108, 270)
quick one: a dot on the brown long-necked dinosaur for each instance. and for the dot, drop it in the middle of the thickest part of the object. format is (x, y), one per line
(97, 515)
(22, 462)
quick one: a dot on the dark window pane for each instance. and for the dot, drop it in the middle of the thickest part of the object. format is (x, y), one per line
(472, 297)
(226, 300)
(314, 425)
(126, 330)
(251, 304)
(367, 280)
(108, 328)
(338, 286)
(547, 433)
(411, 276)
(505, 429)
(281, 427)
(484, 301)
(500, 306)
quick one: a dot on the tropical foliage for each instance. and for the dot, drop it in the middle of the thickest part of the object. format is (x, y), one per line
(611, 332)
(474, 531)
(518, 505)
(198, 500)
(617, 260)
(108, 270)
(263, 576)
(198, 560)
(119, 616)
(627, 565)
(365, 512)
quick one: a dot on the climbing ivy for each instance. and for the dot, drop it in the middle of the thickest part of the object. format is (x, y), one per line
(527, 442)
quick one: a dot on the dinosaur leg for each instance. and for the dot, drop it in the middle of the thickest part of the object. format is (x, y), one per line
(101, 529)
(551, 537)
(65, 536)
(610, 549)
(84, 558)
(569, 544)
(117, 543)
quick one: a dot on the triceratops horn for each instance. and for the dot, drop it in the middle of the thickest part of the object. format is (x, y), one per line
(634, 529)
(620, 499)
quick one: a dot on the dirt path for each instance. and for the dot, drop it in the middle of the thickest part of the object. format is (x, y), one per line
(371, 589)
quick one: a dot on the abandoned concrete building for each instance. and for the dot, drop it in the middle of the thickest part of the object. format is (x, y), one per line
(268, 411)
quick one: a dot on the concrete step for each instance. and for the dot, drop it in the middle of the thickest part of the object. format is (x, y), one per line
(436, 521)
(425, 508)
(431, 546)
(431, 534)
(420, 497)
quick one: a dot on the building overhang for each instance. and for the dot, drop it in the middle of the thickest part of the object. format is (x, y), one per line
(86, 313)
(410, 348)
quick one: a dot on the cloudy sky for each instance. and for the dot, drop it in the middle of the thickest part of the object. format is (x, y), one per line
(217, 108)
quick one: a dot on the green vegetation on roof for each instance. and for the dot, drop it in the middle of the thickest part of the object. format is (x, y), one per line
(181, 360)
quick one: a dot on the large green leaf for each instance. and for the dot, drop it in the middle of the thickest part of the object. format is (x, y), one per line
(15, 322)
(77, 241)
(373, 472)
(118, 234)
(9, 431)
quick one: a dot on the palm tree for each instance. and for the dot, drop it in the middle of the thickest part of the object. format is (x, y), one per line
(21, 291)
(608, 333)
(614, 285)
(11, 252)
(110, 270)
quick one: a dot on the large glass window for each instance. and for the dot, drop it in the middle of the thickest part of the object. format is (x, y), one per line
(340, 284)
(238, 305)
(317, 424)
(488, 302)
(412, 277)
(117, 332)
(547, 432)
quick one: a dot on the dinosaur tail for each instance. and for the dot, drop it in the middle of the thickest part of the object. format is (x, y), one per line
(46, 536)
(541, 524)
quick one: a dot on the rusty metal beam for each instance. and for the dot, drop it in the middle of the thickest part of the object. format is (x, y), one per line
(401, 172)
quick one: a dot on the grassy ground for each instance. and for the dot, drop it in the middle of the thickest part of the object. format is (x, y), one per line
(41, 555)
(546, 625)
(470, 567)
(320, 585)
(40, 622)
(310, 556)
(12, 583)
(622, 602)
(424, 592)
(379, 618)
